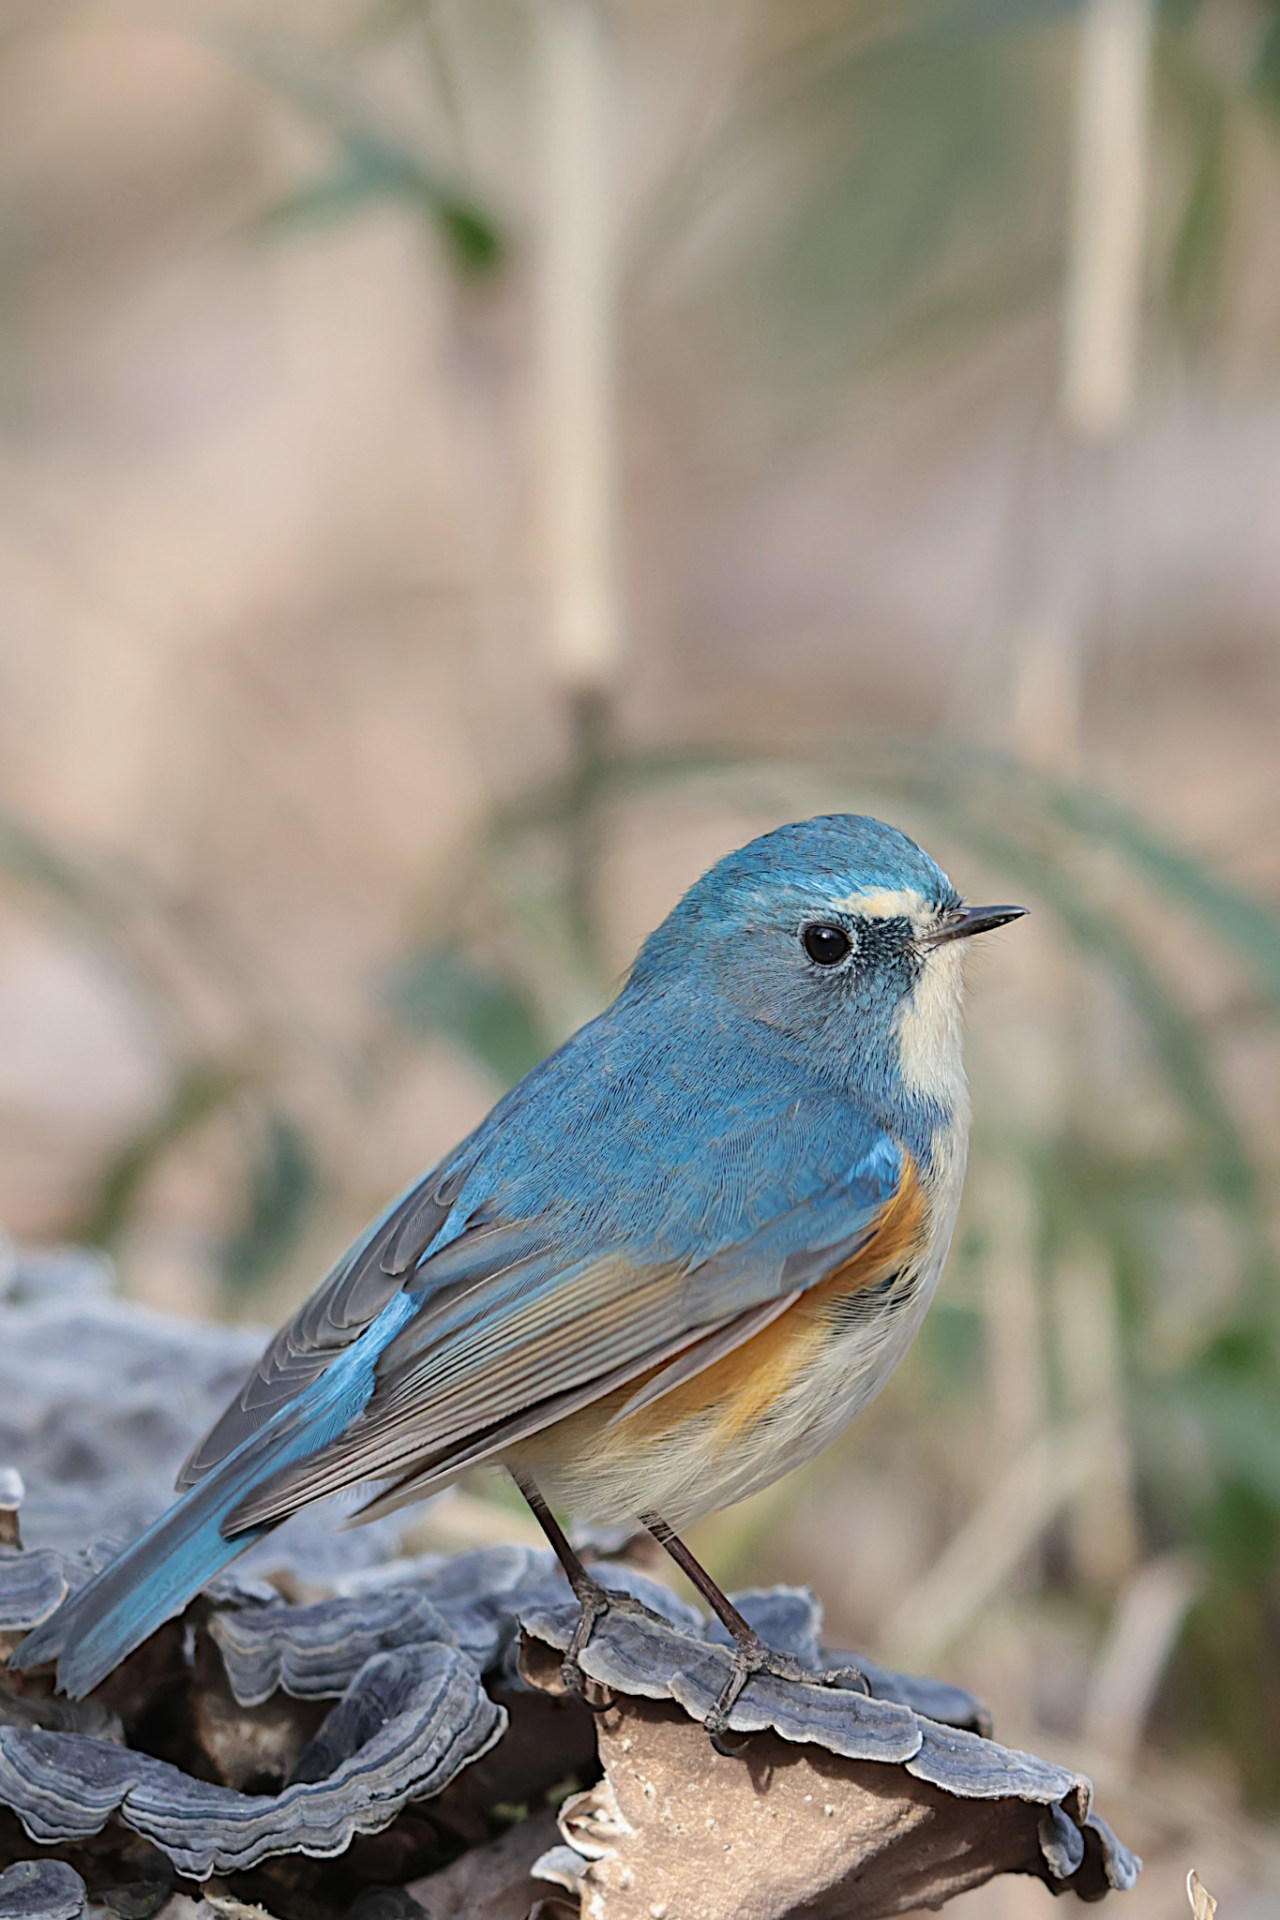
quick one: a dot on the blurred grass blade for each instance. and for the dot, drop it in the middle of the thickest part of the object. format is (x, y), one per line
(1244, 923)
(371, 171)
(1007, 792)
(31, 860)
(200, 1089)
(375, 162)
(1173, 1032)
(283, 1186)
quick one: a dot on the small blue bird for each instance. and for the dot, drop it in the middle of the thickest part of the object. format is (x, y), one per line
(670, 1265)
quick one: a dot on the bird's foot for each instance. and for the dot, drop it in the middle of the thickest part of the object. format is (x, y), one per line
(594, 1602)
(752, 1656)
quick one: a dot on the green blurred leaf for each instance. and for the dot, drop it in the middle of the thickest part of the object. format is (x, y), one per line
(443, 992)
(33, 861)
(1178, 1042)
(1266, 66)
(283, 1187)
(1240, 1528)
(1196, 263)
(1241, 1420)
(1230, 913)
(1013, 796)
(905, 169)
(980, 18)
(911, 177)
(371, 171)
(952, 1346)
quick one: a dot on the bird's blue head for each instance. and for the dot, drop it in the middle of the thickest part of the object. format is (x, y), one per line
(845, 940)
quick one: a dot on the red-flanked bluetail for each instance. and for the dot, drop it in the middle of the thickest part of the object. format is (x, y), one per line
(670, 1265)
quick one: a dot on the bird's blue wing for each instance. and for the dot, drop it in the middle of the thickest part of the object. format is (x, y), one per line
(347, 1301)
(630, 1141)
(514, 1331)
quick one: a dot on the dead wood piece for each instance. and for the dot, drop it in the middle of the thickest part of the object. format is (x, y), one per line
(12, 1494)
(676, 1830)
(836, 1797)
(252, 1748)
(493, 1882)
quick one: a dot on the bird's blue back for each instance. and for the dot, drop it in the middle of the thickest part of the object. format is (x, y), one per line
(663, 1134)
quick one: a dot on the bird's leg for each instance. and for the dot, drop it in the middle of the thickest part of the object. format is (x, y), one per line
(751, 1655)
(594, 1601)
(591, 1597)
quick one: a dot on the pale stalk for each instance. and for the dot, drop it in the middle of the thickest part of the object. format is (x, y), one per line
(1101, 330)
(1144, 1632)
(576, 352)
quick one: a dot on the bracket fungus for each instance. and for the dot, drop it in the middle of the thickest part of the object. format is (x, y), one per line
(830, 1790)
(41, 1890)
(334, 1731)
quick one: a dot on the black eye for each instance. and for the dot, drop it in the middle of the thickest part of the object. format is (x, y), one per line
(825, 945)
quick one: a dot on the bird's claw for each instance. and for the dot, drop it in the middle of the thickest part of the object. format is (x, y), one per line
(575, 1684)
(594, 1602)
(750, 1657)
(753, 1656)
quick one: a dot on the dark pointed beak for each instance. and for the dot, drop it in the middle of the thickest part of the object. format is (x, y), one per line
(967, 921)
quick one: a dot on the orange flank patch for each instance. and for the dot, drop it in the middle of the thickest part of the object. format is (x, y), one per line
(746, 1383)
(742, 1386)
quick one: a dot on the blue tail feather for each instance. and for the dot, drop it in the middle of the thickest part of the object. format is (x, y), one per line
(153, 1579)
(139, 1590)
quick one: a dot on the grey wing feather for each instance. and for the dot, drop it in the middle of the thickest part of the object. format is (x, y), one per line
(604, 1318)
(427, 1475)
(342, 1306)
(704, 1353)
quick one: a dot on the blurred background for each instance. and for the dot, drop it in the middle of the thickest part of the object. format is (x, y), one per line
(464, 465)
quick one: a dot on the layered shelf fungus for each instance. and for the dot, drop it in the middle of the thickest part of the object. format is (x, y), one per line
(338, 1730)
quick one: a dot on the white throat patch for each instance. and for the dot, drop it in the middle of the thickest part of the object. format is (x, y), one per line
(929, 1029)
(929, 1032)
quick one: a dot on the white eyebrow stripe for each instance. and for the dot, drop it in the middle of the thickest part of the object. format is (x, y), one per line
(884, 903)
